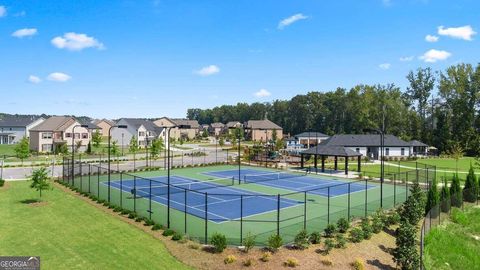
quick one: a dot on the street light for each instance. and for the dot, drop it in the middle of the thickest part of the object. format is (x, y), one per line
(382, 168)
(73, 151)
(109, 139)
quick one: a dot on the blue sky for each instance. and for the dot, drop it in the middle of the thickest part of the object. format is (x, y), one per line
(154, 58)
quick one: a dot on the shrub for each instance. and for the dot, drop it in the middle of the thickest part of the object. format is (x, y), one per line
(219, 242)
(117, 209)
(248, 262)
(168, 232)
(358, 264)
(330, 230)
(445, 201)
(356, 235)
(101, 201)
(377, 223)
(326, 262)
(138, 219)
(343, 225)
(157, 227)
(265, 256)
(393, 219)
(106, 204)
(301, 239)
(315, 237)
(470, 190)
(329, 244)
(456, 195)
(341, 241)
(291, 262)
(230, 259)
(194, 245)
(274, 242)
(249, 242)
(2, 182)
(366, 228)
(125, 212)
(149, 222)
(132, 215)
(177, 236)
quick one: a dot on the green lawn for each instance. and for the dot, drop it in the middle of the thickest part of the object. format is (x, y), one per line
(68, 233)
(7, 149)
(452, 245)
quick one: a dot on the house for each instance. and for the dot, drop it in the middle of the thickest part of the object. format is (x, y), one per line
(418, 148)
(263, 130)
(181, 128)
(369, 145)
(216, 129)
(14, 128)
(104, 125)
(57, 131)
(232, 125)
(145, 132)
(304, 141)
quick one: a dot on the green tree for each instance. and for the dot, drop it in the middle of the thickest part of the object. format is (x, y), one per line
(433, 199)
(78, 145)
(456, 191)
(406, 254)
(40, 179)
(221, 142)
(413, 208)
(274, 135)
(96, 138)
(114, 149)
(470, 191)
(61, 149)
(205, 133)
(133, 148)
(89, 148)
(445, 201)
(156, 148)
(22, 149)
(456, 152)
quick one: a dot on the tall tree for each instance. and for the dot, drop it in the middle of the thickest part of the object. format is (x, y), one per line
(22, 149)
(133, 148)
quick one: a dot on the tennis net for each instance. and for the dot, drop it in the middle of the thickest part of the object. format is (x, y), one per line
(255, 178)
(159, 189)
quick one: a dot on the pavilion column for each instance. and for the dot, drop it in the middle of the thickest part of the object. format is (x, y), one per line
(346, 165)
(315, 162)
(301, 161)
(336, 163)
(323, 163)
(359, 167)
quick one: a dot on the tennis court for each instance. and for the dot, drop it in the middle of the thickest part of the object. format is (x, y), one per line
(294, 182)
(222, 202)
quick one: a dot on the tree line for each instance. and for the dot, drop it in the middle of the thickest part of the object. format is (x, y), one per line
(439, 108)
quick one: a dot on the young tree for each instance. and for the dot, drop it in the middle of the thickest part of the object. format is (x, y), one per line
(89, 148)
(61, 149)
(456, 152)
(445, 201)
(456, 192)
(133, 148)
(413, 208)
(274, 135)
(78, 145)
(221, 142)
(405, 254)
(156, 147)
(40, 179)
(96, 138)
(470, 191)
(22, 149)
(433, 199)
(205, 133)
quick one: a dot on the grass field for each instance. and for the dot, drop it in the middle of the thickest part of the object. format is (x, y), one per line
(453, 245)
(7, 149)
(68, 233)
(319, 209)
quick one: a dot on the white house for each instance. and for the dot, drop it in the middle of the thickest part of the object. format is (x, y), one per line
(304, 141)
(144, 131)
(14, 128)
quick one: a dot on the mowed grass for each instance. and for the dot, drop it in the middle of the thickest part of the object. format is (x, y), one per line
(454, 245)
(68, 233)
(7, 149)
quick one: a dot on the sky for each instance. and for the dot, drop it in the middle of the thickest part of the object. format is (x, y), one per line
(112, 59)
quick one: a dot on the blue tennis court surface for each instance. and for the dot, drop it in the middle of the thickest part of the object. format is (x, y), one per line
(294, 182)
(223, 202)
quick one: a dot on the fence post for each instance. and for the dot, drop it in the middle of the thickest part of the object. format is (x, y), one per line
(366, 197)
(206, 218)
(89, 177)
(278, 214)
(241, 218)
(121, 189)
(304, 210)
(150, 199)
(406, 185)
(348, 210)
(81, 178)
(135, 194)
(185, 210)
(328, 205)
(98, 182)
(394, 189)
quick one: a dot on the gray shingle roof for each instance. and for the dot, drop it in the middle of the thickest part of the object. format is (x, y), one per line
(417, 143)
(311, 134)
(17, 121)
(331, 150)
(55, 123)
(217, 125)
(232, 124)
(185, 122)
(149, 125)
(96, 121)
(364, 140)
(262, 124)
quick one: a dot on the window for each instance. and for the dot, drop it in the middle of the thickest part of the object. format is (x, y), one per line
(84, 135)
(77, 135)
(387, 151)
(402, 151)
(68, 135)
(141, 134)
(358, 150)
(46, 135)
(46, 148)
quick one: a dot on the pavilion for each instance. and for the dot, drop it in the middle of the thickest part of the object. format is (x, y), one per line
(330, 151)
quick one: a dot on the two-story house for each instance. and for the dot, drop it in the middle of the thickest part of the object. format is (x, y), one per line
(57, 131)
(263, 130)
(181, 128)
(145, 132)
(13, 128)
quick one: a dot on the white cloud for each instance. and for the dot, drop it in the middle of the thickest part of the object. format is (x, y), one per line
(58, 77)
(464, 32)
(431, 38)
(25, 32)
(433, 56)
(406, 58)
(287, 21)
(3, 11)
(76, 42)
(208, 70)
(34, 79)
(385, 66)
(262, 93)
